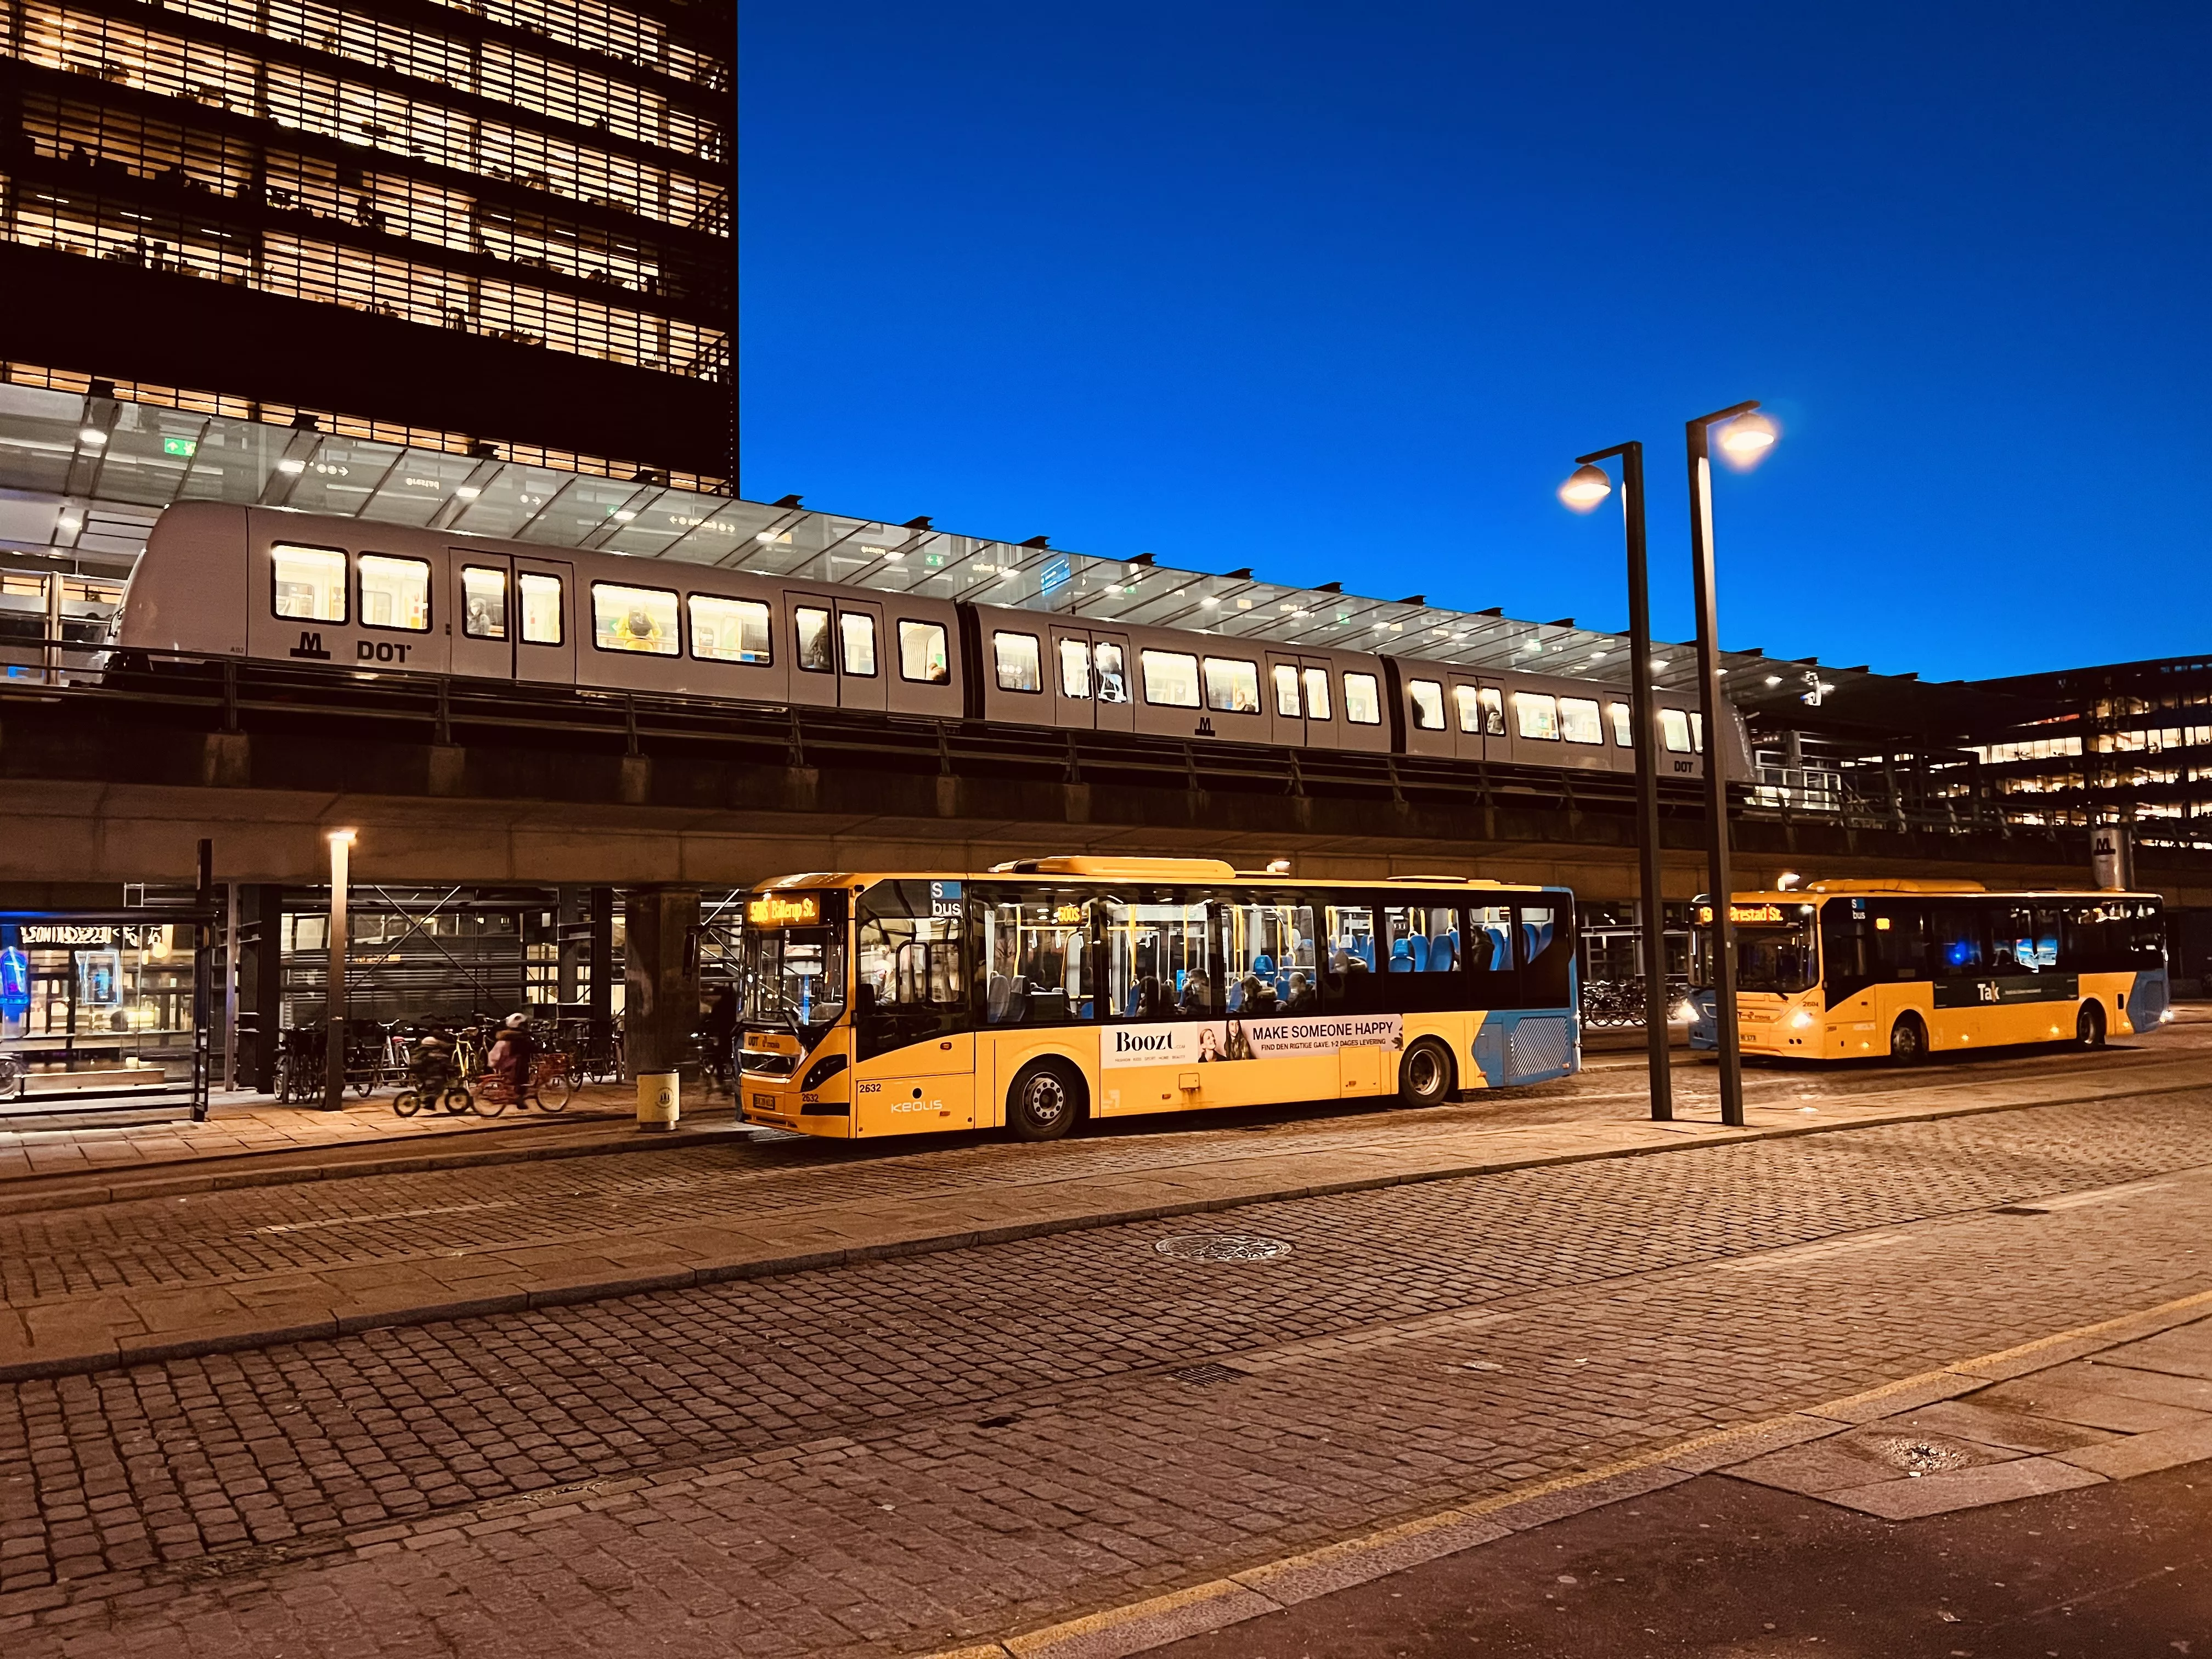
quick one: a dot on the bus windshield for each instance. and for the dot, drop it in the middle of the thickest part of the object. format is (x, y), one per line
(1776, 957)
(795, 977)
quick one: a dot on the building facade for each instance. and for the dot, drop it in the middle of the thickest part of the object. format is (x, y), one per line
(488, 226)
(2128, 742)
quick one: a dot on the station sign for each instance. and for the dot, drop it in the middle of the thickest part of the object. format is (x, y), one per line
(93, 936)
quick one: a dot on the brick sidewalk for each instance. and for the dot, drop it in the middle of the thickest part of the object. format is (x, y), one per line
(245, 1125)
(906, 1455)
(129, 1283)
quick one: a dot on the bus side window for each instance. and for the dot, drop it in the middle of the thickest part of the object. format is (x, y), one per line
(1350, 967)
(1546, 936)
(1486, 952)
(1268, 953)
(907, 979)
(1156, 960)
(1423, 942)
(1033, 947)
(1960, 935)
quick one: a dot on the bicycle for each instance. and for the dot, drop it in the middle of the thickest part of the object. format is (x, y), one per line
(299, 1067)
(434, 1086)
(548, 1090)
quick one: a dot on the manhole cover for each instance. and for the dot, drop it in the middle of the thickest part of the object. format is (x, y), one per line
(1223, 1247)
(1918, 1456)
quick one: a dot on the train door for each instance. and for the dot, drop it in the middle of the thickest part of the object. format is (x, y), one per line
(544, 614)
(811, 644)
(1287, 721)
(1113, 676)
(1492, 714)
(863, 665)
(1072, 679)
(480, 611)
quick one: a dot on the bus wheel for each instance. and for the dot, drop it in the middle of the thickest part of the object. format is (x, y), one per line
(1424, 1076)
(2089, 1026)
(1908, 1042)
(1045, 1101)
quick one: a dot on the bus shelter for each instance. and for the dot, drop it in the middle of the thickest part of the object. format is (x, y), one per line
(106, 1012)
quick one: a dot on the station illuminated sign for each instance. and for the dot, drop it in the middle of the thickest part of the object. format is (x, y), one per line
(784, 910)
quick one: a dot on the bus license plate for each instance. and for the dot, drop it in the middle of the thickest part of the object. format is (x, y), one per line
(763, 1103)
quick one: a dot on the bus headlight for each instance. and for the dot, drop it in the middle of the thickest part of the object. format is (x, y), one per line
(1803, 1020)
(1686, 1011)
(2166, 1016)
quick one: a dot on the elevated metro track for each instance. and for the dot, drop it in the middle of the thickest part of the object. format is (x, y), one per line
(114, 779)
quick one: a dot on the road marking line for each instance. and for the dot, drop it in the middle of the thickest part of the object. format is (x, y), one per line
(2082, 1201)
(1137, 1627)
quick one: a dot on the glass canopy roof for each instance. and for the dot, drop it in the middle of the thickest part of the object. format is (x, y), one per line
(105, 467)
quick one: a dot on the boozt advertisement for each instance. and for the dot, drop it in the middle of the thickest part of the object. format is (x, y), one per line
(1190, 1042)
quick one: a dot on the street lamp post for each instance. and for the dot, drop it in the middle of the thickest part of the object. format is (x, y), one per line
(334, 993)
(1587, 487)
(1747, 438)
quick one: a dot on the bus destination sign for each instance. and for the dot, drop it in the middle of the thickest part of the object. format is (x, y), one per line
(784, 910)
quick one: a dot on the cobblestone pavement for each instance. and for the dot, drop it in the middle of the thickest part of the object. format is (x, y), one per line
(899, 1455)
(388, 1220)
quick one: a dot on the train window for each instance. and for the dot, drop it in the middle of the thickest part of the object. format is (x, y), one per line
(1618, 712)
(395, 593)
(483, 602)
(1231, 686)
(1362, 700)
(1286, 690)
(1493, 711)
(1427, 697)
(1317, 681)
(923, 656)
(541, 607)
(729, 631)
(635, 619)
(856, 632)
(1015, 656)
(310, 582)
(1674, 731)
(1113, 675)
(1536, 715)
(1579, 720)
(810, 626)
(1697, 732)
(1469, 711)
(1075, 668)
(1171, 678)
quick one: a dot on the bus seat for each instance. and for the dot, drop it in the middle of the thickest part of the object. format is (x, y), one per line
(1443, 953)
(1001, 994)
(1401, 956)
(1421, 954)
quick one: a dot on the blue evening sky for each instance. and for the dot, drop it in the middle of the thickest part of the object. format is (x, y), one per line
(1339, 291)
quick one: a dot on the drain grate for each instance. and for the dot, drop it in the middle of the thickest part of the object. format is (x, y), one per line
(1223, 1247)
(1199, 1375)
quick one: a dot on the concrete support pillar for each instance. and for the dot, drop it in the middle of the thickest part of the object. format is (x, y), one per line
(660, 996)
(600, 963)
(260, 985)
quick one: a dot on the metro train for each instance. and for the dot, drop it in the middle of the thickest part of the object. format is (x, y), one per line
(265, 583)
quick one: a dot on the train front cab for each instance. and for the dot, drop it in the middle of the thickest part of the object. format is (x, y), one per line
(1847, 970)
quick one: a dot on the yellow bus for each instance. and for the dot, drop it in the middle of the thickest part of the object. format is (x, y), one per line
(1849, 970)
(1045, 991)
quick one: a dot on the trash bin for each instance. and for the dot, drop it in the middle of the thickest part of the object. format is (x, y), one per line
(657, 1100)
